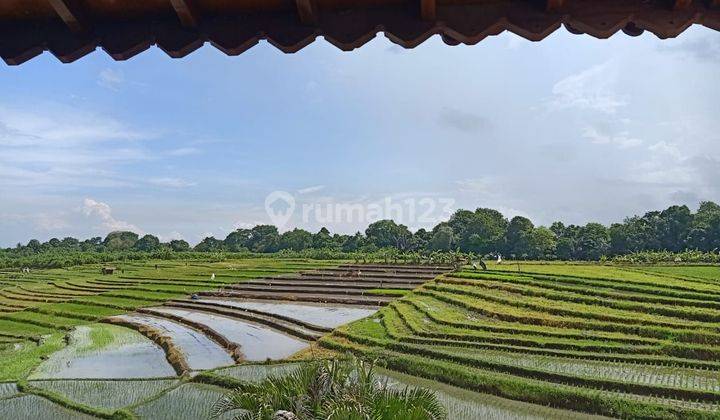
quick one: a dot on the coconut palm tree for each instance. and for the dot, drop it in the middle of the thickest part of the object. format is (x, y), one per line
(332, 390)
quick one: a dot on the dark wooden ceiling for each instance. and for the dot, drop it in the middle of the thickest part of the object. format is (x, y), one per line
(70, 29)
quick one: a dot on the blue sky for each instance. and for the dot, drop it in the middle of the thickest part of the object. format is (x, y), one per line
(571, 128)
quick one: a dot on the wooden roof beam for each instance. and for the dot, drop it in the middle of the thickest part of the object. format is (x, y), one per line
(553, 5)
(428, 9)
(307, 11)
(187, 12)
(70, 11)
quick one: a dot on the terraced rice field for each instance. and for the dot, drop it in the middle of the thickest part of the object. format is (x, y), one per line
(39, 311)
(516, 341)
(614, 341)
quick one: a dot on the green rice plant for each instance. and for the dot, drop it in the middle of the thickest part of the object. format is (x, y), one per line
(597, 289)
(255, 372)
(61, 400)
(568, 308)
(31, 407)
(513, 313)
(17, 363)
(529, 390)
(107, 394)
(8, 389)
(189, 401)
(670, 310)
(387, 292)
(332, 389)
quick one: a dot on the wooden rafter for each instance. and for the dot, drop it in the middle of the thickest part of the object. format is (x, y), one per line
(551, 5)
(307, 11)
(71, 13)
(428, 9)
(187, 12)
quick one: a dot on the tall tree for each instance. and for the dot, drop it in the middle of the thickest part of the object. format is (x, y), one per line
(179, 245)
(481, 232)
(120, 241)
(442, 239)
(387, 233)
(238, 240)
(518, 237)
(209, 244)
(147, 243)
(296, 240)
(705, 228)
(593, 242)
(264, 238)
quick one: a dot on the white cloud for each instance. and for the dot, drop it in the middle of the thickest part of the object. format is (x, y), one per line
(184, 151)
(667, 149)
(621, 140)
(47, 144)
(476, 185)
(591, 89)
(111, 79)
(48, 124)
(49, 222)
(312, 189)
(103, 212)
(170, 182)
(171, 236)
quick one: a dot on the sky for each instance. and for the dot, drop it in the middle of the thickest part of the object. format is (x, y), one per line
(570, 128)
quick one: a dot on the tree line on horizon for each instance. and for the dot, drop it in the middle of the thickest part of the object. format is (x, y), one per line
(482, 232)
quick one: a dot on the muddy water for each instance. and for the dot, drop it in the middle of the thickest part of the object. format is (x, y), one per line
(462, 404)
(256, 342)
(322, 315)
(128, 355)
(199, 350)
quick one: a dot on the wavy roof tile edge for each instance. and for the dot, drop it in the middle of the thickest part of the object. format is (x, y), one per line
(70, 37)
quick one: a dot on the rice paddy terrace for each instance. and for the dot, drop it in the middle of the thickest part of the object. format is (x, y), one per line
(606, 340)
(549, 341)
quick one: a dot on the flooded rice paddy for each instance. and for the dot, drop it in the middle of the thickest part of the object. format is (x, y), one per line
(330, 316)
(256, 342)
(8, 389)
(199, 350)
(127, 355)
(464, 404)
(256, 373)
(187, 402)
(32, 407)
(108, 394)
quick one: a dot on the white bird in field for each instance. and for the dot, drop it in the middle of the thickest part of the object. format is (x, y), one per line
(212, 277)
(499, 260)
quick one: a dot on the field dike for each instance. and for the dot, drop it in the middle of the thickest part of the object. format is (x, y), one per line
(528, 390)
(292, 298)
(173, 354)
(273, 321)
(303, 324)
(232, 348)
(25, 387)
(686, 394)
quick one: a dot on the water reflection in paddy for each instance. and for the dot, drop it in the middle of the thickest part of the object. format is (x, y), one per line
(200, 351)
(256, 342)
(127, 355)
(322, 315)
